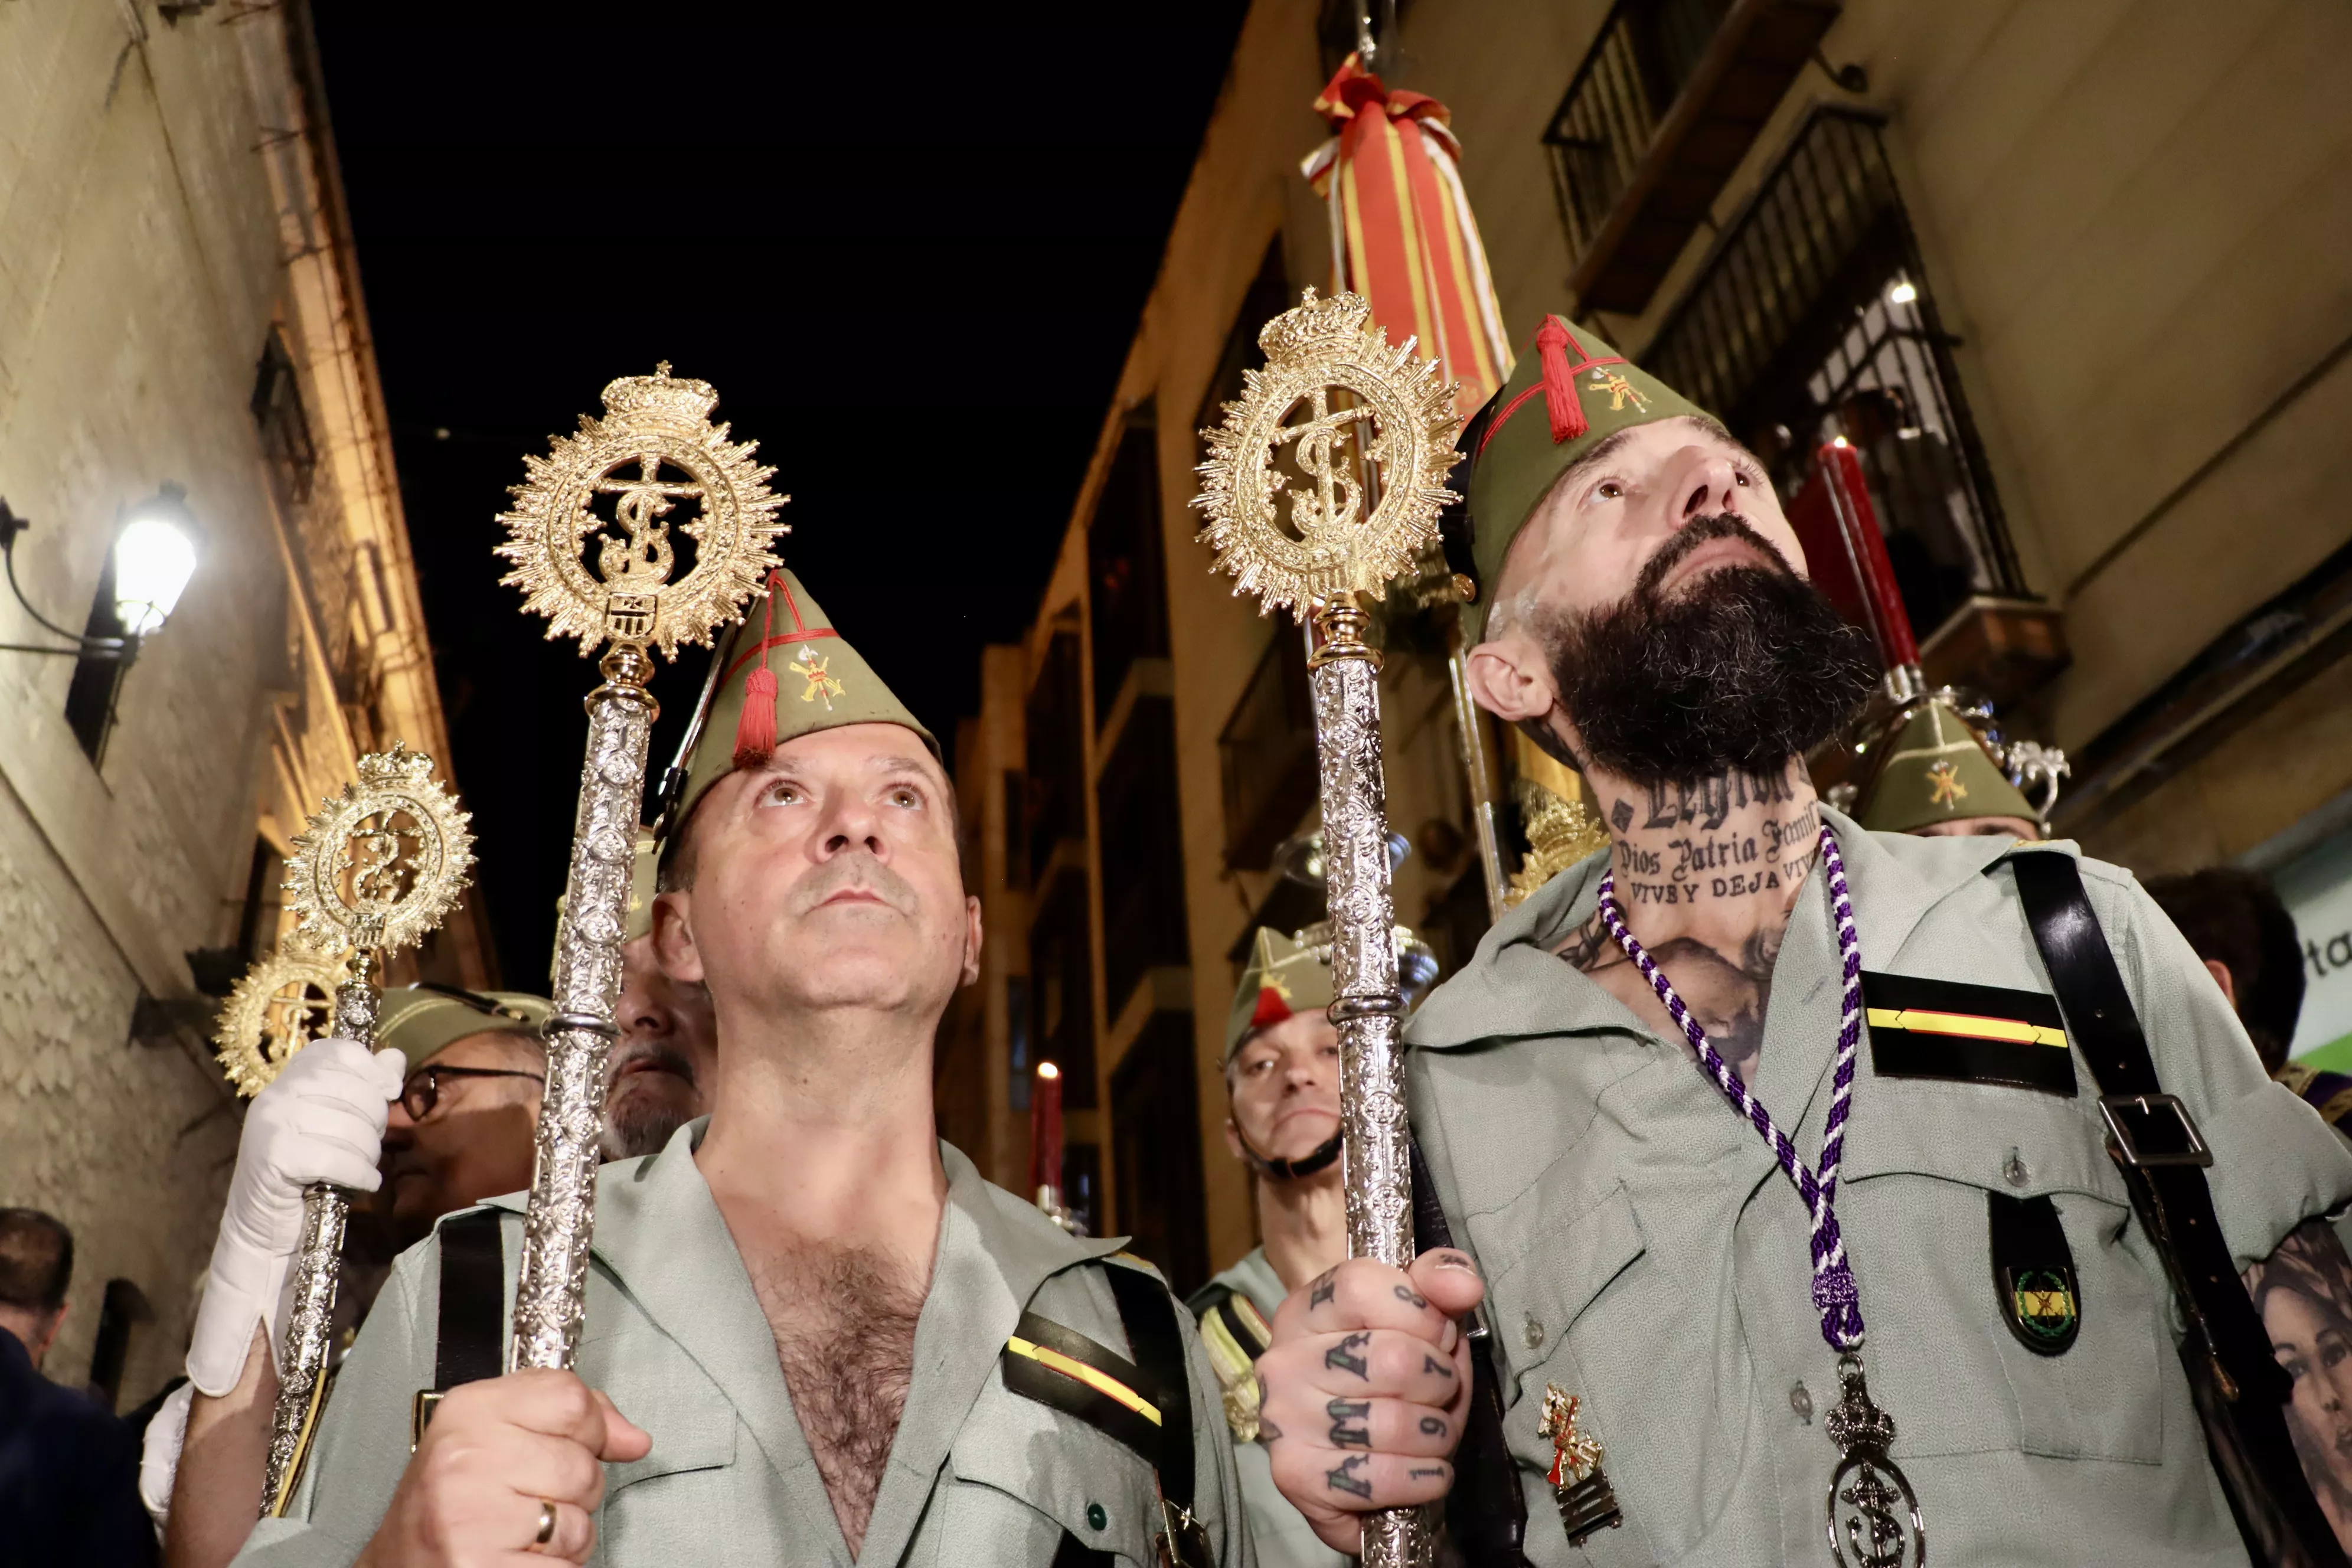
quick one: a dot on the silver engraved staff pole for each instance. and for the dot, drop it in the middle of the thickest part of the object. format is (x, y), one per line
(317, 1267)
(1369, 1009)
(653, 448)
(562, 1219)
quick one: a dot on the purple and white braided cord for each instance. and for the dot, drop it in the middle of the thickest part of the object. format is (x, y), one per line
(1834, 1295)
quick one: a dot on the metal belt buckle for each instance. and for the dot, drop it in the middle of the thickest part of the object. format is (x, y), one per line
(2142, 1135)
(1182, 1542)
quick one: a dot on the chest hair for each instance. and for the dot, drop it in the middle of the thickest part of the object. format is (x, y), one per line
(845, 1325)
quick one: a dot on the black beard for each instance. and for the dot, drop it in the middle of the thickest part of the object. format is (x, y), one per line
(1742, 670)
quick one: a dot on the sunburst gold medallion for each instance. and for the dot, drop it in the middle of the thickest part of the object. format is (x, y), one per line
(379, 865)
(1368, 428)
(282, 1004)
(653, 448)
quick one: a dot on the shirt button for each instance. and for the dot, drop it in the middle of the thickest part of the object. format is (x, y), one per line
(1801, 1400)
(1096, 1516)
(2014, 1173)
(1532, 1330)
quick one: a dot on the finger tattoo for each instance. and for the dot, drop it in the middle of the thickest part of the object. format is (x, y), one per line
(1342, 1477)
(1267, 1432)
(1431, 1364)
(1345, 1357)
(1324, 1286)
(1410, 1298)
(1344, 1411)
(1424, 1472)
(1433, 1426)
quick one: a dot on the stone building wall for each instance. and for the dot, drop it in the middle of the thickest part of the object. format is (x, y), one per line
(167, 205)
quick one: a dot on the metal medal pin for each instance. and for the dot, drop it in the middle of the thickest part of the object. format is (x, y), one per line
(1370, 428)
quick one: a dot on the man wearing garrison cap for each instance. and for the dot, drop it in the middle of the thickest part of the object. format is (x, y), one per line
(1764, 1137)
(814, 1334)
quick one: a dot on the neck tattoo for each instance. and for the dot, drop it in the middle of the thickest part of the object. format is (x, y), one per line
(1867, 1487)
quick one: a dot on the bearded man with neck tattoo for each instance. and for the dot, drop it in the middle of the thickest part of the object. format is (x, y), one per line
(1780, 1172)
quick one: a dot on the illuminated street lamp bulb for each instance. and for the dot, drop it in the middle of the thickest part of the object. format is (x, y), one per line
(154, 556)
(1903, 293)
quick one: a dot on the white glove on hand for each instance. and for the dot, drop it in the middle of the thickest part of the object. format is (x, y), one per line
(320, 1121)
(159, 1454)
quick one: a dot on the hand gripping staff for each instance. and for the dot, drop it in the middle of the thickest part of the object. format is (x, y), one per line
(653, 448)
(1372, 430)
(377, 868)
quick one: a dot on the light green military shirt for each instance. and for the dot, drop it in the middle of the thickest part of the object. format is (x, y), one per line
(1283, 1536)
(977, 1473)
(1643, 1250)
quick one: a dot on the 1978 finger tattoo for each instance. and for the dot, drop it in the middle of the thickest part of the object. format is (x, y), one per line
(1348, 1355)
(1342, 1477)
(1342, 1412)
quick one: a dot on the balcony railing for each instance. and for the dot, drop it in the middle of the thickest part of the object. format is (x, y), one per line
(1668, 100)
(1812, 321)
(1266, 754)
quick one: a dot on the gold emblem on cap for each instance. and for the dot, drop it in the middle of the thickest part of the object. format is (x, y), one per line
(281, 1004)
(381, 864)
(1945, 784)
(812, 669)
(1621, 390)
(655, 446)
(1371, 426)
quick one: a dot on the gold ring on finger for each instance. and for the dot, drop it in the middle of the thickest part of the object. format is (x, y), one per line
(547, 1517)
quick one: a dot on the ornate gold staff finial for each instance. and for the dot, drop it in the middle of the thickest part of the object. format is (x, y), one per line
(655, 457)
(1370, 430)
(381, 865)
(653, 448)
(1358, 416)
(376, 868)
(281, 1004)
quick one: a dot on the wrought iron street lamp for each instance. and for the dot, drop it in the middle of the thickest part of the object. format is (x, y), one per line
(156, 546)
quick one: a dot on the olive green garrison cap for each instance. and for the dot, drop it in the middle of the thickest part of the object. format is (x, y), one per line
(1283, 976)
(1935, 769)
(419, 1020)
(792, 675)
(1573, 392)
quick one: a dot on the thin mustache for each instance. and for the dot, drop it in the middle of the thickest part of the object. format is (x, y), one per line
(861, 871)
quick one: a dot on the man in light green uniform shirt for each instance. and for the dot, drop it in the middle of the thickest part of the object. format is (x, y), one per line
(814, 1334)
(1281, 1076)
(1667, 1311)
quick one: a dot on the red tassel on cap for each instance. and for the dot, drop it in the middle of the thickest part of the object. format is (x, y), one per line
(755, 731)
(755, 727)
(1271, 1008)
(1568, 421)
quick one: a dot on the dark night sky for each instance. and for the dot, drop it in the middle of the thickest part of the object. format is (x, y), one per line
(909, 253)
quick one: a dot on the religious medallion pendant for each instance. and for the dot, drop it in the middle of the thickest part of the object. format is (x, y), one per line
(1874, 1515)
(1587, 1502)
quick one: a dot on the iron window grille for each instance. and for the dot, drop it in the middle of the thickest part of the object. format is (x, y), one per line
(1811, 321)
(1637, 67)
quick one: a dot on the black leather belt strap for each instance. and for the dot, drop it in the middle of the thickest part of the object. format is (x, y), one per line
(2248, 1390)
(472, 1336)
(1486, 1513)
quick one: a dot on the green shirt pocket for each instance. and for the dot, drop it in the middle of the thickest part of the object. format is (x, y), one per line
(1022, 1474)
(1942, 1358)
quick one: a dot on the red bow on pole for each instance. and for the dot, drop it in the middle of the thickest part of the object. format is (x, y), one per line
(1402, 232)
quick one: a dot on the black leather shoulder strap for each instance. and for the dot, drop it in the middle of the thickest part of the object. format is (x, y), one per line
(1486, 1513)
(1148, 1312)
(471, 1340)
(2175, 1206)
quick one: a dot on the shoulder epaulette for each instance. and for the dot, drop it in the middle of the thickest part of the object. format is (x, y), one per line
(1236, 1334)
